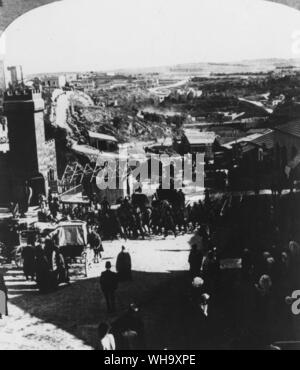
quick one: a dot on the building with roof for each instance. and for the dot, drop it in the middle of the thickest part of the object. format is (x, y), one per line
(52, 83)
(103, 142)
(287, 137)
(194, 141)
(265, 139)
(255, 147)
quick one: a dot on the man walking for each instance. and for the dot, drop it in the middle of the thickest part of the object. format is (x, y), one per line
(95, 242)
(109, 284)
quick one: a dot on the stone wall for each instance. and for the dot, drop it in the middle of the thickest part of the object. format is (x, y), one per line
(5, 185)
(30, 156)
(47, 159)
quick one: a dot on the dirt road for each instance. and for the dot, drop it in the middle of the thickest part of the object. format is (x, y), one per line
(68, 318)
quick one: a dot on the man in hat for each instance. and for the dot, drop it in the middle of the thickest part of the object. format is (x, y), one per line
(109, 285)
(123, 265)
(3, 296)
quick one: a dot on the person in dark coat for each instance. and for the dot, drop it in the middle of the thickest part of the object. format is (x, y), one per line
(44, 278)
(95, 242)
(195, 261)
(28, 256)
(54, 208)
(123, 266)
(3, 297)
(24, 198)
(211, 270)
(109, 285)
(262, 312)
(129, 330)
(60, 268)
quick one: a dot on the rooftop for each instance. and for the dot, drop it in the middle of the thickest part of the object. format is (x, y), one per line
(21, 94)
(103, 137)
(195, 137)
(259, 139)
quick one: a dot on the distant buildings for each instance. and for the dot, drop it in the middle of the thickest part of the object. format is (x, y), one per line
(84, 85)
(54, 82)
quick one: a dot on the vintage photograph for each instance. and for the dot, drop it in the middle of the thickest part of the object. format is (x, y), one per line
(149, 176)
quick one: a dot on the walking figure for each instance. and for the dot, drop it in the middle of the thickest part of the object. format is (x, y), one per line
(109, 285)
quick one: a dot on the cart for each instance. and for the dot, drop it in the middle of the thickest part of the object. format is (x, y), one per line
(71, 238)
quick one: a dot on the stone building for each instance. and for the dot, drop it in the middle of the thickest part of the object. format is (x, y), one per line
(30, 158)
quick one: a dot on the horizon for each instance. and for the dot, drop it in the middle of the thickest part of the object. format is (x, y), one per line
(130, 69)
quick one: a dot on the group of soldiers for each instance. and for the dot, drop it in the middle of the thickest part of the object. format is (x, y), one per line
(140, 217)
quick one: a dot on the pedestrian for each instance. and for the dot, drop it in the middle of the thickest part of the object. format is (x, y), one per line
(129, 330)
(195, 261)
(54, 208)
(95, 242)
(262, 312)
(60, 267)
(25, 198)
(109, 285)
(123, 265)
(107, 340)
(3, 296)
(29, 264)
(210, 272)
(44, 276)
(197, 290)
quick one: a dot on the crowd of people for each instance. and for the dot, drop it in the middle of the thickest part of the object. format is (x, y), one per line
(45, 263)
(260, 231)
(133, 217)
(252, 298)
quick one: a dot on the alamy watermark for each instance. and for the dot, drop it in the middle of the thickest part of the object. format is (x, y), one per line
(170, 172)
(296, 302)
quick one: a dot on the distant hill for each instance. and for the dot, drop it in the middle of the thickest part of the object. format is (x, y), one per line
(244, 66)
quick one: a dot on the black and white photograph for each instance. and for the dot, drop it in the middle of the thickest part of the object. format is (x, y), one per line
(150, 177)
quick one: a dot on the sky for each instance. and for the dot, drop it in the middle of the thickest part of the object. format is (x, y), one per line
(81, 35)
